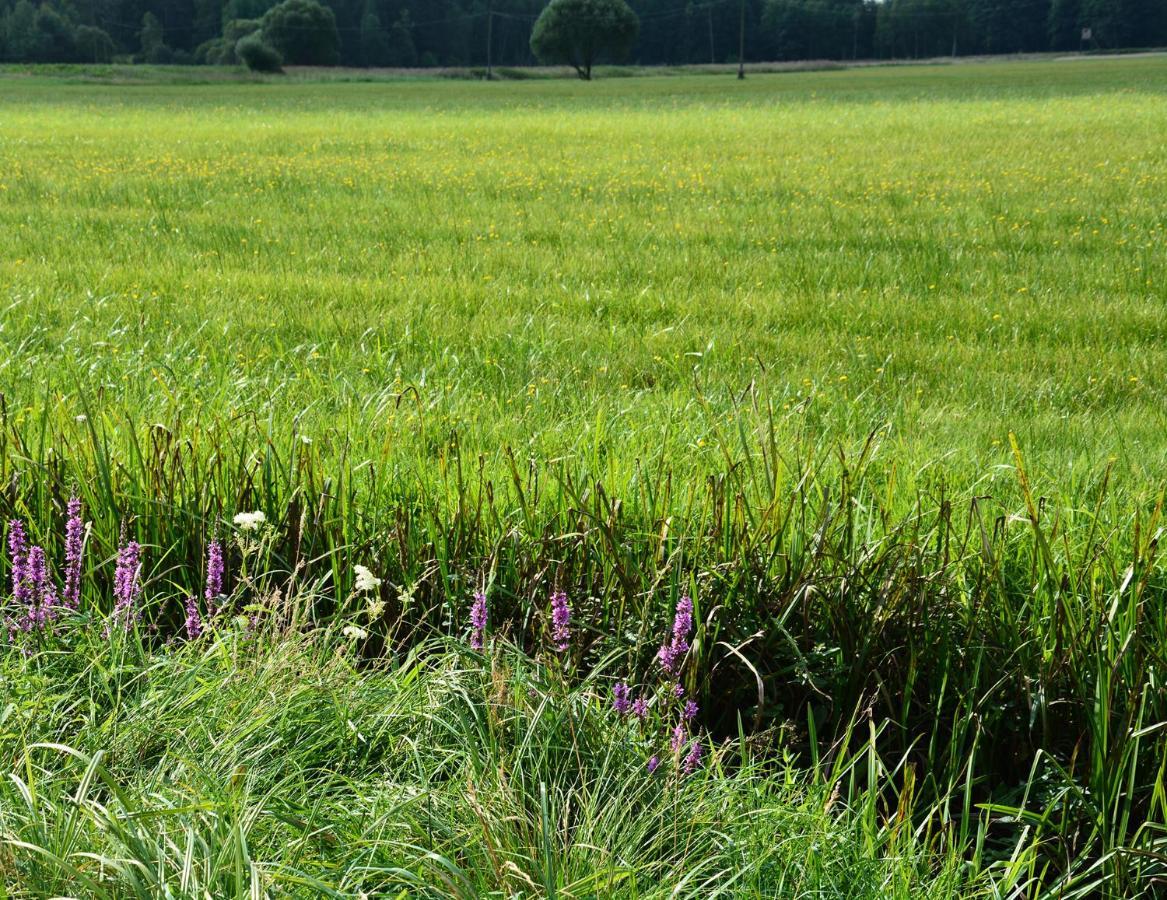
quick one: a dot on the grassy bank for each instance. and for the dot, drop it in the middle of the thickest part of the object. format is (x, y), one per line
(247, 764)
(870, 363)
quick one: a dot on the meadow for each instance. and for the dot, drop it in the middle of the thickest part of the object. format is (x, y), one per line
(868, 363)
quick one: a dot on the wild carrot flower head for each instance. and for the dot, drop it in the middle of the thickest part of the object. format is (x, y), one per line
(560, 621)
(478, 614)
(620, 701)
(249, 521)
(366, 581)
(74, 547)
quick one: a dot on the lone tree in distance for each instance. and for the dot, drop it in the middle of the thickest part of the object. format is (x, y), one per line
(578, 32)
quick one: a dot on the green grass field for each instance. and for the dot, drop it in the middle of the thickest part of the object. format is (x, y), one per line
(764, 341)
(942, 255)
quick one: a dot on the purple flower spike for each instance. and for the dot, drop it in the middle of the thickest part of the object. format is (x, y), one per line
(640, 708)
(18, 553)
(478, 614)
(692, 761)
(74, 548)
(677, 645)
(677, 741)
(194, 622)
(653, 763)
(668, 658)
(690, 712)
(42, 603)
(214, 576)
(126, 587)
(683, 621)
(560, 621)
(620, 701)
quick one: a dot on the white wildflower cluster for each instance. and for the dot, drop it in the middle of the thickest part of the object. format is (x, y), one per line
(249, 521)
(366, 580)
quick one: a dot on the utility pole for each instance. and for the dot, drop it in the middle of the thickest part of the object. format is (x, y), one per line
(489, 40)
(741, 44)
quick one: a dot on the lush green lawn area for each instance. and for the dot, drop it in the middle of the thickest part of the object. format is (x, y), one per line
(568, 269)
(870, 363)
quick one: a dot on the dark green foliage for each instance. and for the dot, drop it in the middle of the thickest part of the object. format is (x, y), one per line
(20, 32)
(258, 55)
(221, 50)
(304, 33)
(150, 38)
(454, 32)
(817, 29)
(93, 45)
(374, 41)
(54, 36)
(578, 32)
(402, 51)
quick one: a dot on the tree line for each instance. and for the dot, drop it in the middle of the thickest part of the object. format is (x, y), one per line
(427, 33)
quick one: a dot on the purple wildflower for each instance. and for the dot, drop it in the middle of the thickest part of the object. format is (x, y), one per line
(653, 763)
(194, 622)
(560, 621)
(620, 701)
(478, 614)
(42, 601)
(692, 760)
(683, 621)
(678, 690)
(640, 707)
(677, 741)
(74, 547)
(667, 657)
(214, 576)
(126, 587)
(690, 712)
(18, 553)
(678, 643)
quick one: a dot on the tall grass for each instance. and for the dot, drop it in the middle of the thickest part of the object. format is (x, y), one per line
(1000, 666)
(893, 419)
(262, 765)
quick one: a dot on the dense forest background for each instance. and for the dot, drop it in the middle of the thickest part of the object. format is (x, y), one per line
(455, 32)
